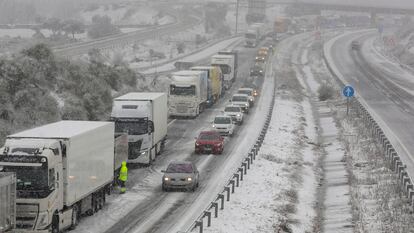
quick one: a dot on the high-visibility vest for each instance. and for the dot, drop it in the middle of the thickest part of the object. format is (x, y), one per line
(123, 173)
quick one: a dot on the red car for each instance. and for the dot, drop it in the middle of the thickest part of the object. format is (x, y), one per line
(209, 142)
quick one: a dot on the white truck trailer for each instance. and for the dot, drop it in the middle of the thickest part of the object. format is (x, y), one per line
(227, 64)
(7, 201)
(143, 116)
(188, 93)
(64, 170)
(254, 34)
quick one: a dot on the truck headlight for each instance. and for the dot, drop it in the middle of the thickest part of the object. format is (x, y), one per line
(166, 178)
(238, 115)
(214, 126)
(261, 71)
(189, 179)
(43, 220)
(144, 153)
(246, 105)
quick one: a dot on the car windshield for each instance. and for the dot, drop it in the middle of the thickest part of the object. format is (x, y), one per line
(247, 92)
(239, 98)
(131, 127)
(209, 137)
(181, 90)
(250, 36)
(232, 109)
(180, 168)
(222, 120)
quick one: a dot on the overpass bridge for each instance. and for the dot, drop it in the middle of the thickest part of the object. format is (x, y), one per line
(373, 6)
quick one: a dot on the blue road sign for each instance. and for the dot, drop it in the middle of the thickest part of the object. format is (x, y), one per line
(348, 91)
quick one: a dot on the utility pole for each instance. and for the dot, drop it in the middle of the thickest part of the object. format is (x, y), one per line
(237, 15)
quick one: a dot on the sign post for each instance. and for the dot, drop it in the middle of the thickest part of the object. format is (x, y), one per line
(348, 92)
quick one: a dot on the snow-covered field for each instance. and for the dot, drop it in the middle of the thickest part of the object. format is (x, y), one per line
(131, 15)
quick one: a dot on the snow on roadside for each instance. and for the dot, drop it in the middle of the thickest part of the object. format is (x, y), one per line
(268, 198)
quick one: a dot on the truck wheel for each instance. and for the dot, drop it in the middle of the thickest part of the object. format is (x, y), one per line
(55, 224)
(75, 217)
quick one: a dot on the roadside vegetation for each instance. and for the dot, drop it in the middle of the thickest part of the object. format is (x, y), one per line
(38, 88)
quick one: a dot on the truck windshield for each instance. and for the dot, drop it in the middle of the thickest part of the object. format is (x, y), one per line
(239, 98)
(32, 182)
(250, 36)
(225, 69)
(177, 90)
(138, 127)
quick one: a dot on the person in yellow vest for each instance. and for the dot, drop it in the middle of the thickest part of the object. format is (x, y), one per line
(123, 176)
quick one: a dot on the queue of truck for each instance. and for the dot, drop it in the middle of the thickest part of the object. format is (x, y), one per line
(193, 90)
(65, 170)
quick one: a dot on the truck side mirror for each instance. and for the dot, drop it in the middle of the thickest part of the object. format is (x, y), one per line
(151, 127)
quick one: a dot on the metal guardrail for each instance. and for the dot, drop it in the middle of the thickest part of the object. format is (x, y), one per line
(237, 175)
(391, 155)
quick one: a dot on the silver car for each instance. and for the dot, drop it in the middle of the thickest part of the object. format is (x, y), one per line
(180, 175)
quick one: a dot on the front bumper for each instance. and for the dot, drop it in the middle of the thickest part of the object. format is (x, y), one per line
(208, 149)
(178, 184)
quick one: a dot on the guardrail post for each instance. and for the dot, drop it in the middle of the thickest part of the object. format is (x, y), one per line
(248, 162)
(215, 205)
(221, 196)
(251, 157)
(237, 178)
(200, 225)
(208, 215)
(232, 185)
(227, 189)
(244, 164)
(240, 169)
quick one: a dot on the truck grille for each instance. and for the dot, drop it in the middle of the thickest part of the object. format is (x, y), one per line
(134, 149)
(26, 216)
(181, 108)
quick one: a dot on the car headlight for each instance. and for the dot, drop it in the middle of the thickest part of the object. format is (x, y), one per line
(214, 126)
(196, 144)
(246, 105)
(43, 220)
(261, 71)
(166, 178)
(189, 179)
(144, 153)
(238, 115)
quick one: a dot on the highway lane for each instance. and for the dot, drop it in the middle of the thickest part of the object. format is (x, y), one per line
(391, 104)
(149, 210)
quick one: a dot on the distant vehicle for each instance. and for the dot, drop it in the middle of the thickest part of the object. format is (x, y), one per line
(8, 201)
(257, 70)
(235, 54)
(241, 100)
(214, 83)
(249, 92)
(209, 142)
(188, 93)
(180, 175)
(143, 116)
(235, 112)
(224, 125)
(355, 45)
(228, 67)
(254, 34)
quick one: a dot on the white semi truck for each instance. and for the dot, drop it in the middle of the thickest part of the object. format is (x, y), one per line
(64, 170)
(254, 34)
(143, 116)
(7, 201)
(188, 93)
(227, 63)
